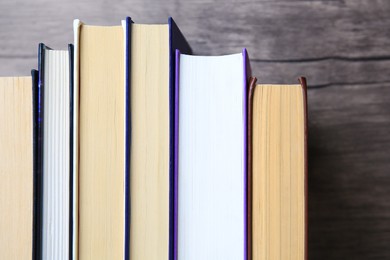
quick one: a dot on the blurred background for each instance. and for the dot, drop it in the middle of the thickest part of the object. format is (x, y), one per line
(342, 47)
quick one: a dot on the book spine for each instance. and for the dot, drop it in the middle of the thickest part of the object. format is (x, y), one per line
(127, 173)
(177, 41)
(251, 91)
(176, 163)
(36, 239)
(247, 75)
(76, 30)
(39, 150)
(302, 81)
(71, 144)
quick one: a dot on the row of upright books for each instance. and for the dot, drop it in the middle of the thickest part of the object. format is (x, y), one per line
(127, 146)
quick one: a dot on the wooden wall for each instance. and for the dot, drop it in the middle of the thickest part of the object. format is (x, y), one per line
(341, 46)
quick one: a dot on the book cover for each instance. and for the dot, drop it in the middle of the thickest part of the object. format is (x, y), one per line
(277, 170)
(17, 196)
(55, 67)
(246, 69)
(176, 41)
(37, 167)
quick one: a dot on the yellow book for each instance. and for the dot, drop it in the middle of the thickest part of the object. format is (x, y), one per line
(99, 136)
(149, 171)
(279, 173)
(124, 79)
(151, 160)
(16, 168)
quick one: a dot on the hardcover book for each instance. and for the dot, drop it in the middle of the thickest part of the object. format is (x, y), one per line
(54, 152)
(277, 171)
(150, 146)
(124, 90)
(99, 141)
(211, 173)
(16, 169)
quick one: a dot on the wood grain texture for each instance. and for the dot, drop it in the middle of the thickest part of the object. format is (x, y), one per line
(343, 47)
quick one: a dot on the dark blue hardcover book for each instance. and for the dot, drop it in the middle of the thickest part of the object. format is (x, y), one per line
(71, 145)
(37, 168)
(127, 135)
(176, 41)
(38, 77)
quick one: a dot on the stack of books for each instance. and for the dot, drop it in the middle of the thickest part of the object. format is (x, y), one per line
(126, 146)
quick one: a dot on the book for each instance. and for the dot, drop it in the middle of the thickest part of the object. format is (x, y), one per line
(150, 154)
(37, 166)
(54, 150)
(16, 169)
(99, 137)
(211, 172)
(277, 170)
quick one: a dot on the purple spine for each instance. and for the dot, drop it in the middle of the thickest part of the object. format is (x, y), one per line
(246, 68)
(176, 167)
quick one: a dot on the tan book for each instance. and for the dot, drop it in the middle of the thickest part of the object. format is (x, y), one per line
(124, 132)
(278, 171)
(152, 106)
(149, 171)
(99, 156)
(16, 168)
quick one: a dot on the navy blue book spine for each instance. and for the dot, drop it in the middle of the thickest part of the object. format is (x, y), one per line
(127, 137)
(38, 150)
(176, 41)
(71, 146)
(36, 239)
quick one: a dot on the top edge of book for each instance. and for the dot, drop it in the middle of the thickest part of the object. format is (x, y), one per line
(15, 77)
(78, 22)
(212, 57)
(59, 51)
(278, 85)
(45, 48)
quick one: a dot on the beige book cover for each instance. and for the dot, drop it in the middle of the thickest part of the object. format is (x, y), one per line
(16, 168)
(99, 88)
(279, 172)
(149, 162)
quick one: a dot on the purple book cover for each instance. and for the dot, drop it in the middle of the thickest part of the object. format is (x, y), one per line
(176, 42)
(247, 73)
(176, 168)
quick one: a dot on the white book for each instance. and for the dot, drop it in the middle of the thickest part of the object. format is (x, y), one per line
(211, 157)
(54, 68)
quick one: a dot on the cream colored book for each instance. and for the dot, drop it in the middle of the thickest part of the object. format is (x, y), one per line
(279, 173)
(212, 159)
(99, 87)
(16, 168)
(151, 159)
(54, 66)
(149, 170)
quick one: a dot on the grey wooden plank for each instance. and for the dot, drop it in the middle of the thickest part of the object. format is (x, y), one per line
(317, 37)
(324, 72)
(271, 30)
(352, 239)
(319, 73)
(17, 66)
(349, 147)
